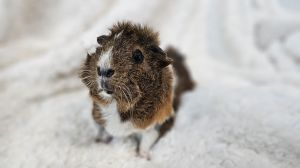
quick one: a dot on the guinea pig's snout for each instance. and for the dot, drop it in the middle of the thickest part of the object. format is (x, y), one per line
(105, 74)
(105, 86)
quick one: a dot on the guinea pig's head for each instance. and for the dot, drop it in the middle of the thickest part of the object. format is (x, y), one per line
(127, 55)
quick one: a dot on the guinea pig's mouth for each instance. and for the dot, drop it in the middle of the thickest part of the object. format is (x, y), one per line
(108, 91)
(105, 87)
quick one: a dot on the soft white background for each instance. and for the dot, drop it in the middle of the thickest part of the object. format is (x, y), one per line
(243, 54)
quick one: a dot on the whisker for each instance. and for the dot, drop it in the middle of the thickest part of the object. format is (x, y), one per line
(130, 96)
(86, 70)
(127, 99)
(128, 92)
(86, 77)
(121, 93)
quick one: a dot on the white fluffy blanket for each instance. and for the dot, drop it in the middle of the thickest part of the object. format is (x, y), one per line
(243, 54)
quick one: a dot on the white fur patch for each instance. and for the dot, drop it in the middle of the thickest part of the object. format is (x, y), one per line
(114, 125)
(105, 60)
(105, 95)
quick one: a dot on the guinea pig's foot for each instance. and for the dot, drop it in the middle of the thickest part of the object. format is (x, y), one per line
(105, 140)
(144, 155)
(103, 137)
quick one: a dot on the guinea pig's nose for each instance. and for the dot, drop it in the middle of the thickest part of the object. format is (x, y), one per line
(109, 73)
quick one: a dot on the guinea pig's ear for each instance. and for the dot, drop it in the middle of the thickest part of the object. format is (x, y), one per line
(101, 39)
(162, 59)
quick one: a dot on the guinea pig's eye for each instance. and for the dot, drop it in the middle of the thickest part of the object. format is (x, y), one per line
(137, 56)
(98, 71)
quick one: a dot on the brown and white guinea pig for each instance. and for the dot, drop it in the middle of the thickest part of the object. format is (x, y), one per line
(130, 79)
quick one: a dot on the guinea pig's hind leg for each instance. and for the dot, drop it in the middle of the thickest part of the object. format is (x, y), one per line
(136, 140)
(103, 135)
(147, 141)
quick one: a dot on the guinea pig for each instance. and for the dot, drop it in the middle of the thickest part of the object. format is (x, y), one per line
(131, 83)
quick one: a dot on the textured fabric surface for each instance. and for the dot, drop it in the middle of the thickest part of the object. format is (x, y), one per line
(243, 55)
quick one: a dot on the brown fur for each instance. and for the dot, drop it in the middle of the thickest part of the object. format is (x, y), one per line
(96, 113)
(184, 79)
(184, 84)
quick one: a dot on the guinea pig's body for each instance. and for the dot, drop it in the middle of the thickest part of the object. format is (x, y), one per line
(131, 84)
